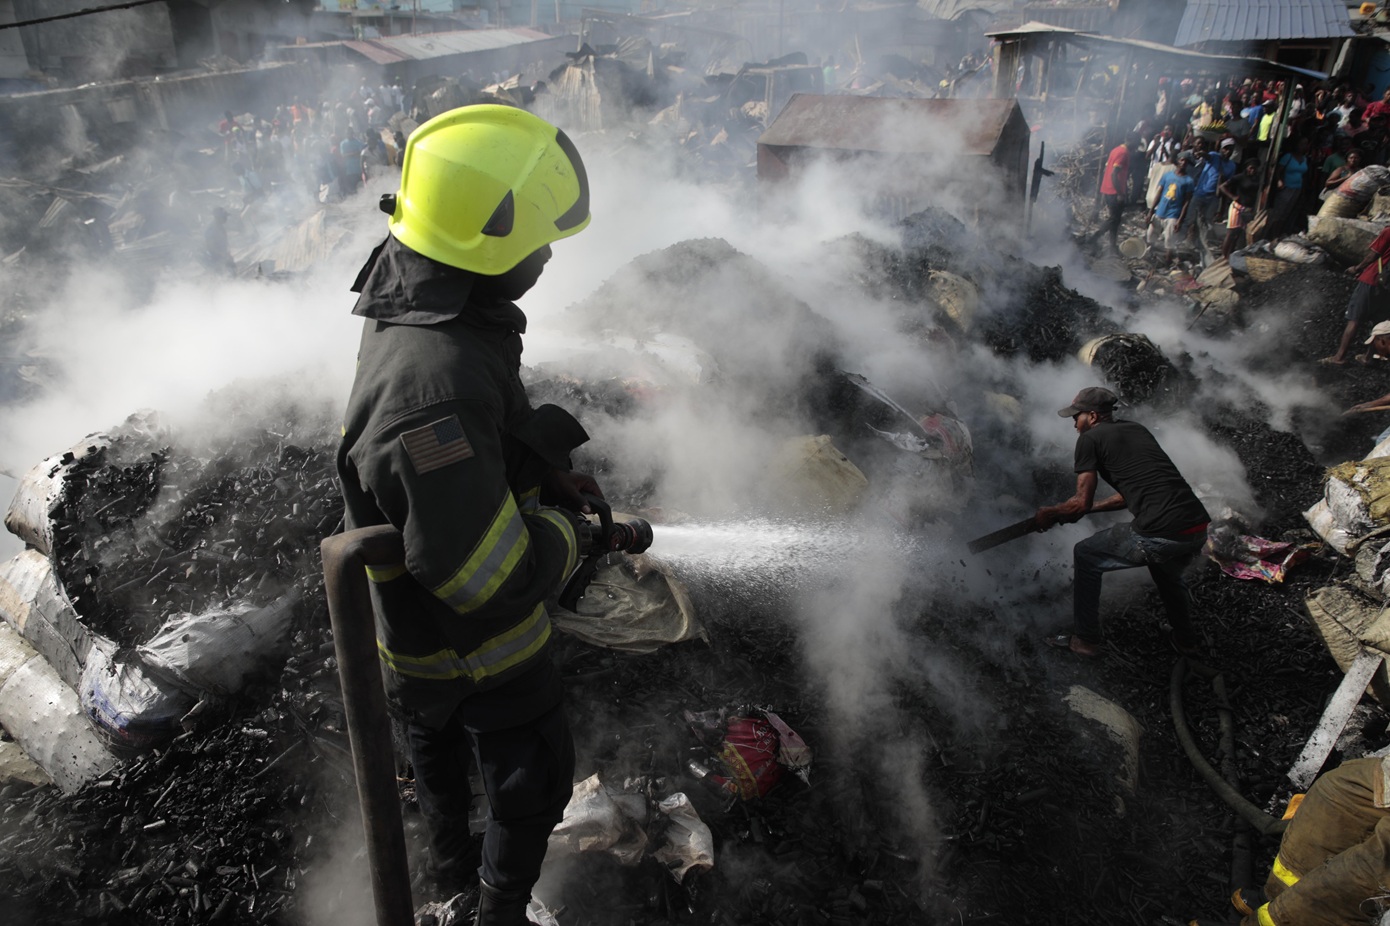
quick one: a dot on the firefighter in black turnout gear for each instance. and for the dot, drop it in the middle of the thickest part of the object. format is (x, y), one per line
(440, 441)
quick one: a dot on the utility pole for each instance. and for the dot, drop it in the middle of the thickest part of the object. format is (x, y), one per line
(781, 5)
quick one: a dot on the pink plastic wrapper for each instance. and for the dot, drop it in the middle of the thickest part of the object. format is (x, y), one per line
(1245, 556)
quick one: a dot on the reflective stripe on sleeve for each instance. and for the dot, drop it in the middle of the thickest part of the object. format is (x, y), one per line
(1263, 916)
(1282, 872)
(496, 655)
(567, 530)
(380, 574)
(490, 564)
(531, 500)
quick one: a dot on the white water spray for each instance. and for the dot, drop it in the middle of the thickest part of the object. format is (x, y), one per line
(787, 554)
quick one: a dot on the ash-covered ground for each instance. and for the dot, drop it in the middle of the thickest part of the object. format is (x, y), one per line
(959, 789)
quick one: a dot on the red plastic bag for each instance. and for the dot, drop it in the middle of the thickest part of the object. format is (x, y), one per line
(750, 757)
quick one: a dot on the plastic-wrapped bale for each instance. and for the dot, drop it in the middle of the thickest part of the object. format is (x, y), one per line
(1131, 363)
(956, 296)
(35, 604)
(1356, 500)
(216, 653)
(812, 475)
(133, 708)
(1346, 239)
(41, 712)
(30, 515)
(1372, 561)
(1343, 617)
(1299, 250)
(1356, 192)
(15, 765)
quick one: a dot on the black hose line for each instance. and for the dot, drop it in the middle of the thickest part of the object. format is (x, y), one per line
(1257, 818)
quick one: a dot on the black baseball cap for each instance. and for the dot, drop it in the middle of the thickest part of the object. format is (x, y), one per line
(1090, 399)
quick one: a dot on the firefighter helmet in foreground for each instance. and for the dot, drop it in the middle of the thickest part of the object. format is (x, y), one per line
(483, 187)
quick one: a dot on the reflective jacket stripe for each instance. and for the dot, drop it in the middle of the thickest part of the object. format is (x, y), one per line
(496, 655)
(1281, 871)
(381, 574)
(1263, 916)
(567, 528)
(531, 500)
(491, 562)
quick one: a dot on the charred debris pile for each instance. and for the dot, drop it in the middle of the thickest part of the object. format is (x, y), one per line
(237, 815)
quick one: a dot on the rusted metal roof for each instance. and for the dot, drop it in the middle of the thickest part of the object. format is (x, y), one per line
(1083, 17)
(1179, 56)
(423, 47)
(890, 126)
(1262, 21)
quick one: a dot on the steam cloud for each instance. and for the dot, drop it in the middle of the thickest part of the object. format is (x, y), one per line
(112, 348)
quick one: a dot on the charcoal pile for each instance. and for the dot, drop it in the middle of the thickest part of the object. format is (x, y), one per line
(1039, 317)
(762, 338)
(218, 827)
(1282, 472)
(1137, 370)
(932, 239)
(146, 531)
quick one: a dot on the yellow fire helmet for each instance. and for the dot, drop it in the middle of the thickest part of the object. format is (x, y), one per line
(483, 187)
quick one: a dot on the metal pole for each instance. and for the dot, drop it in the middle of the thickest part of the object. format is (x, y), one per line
(345, 558)
(781, 4)
(1276, 145)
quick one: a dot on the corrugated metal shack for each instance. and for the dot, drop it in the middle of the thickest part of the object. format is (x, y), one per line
(894, 136)
(479, 52)
(1073, 80)
(1305, 33)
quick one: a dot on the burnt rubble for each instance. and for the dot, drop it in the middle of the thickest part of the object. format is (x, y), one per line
(235, 818)
(146, 531)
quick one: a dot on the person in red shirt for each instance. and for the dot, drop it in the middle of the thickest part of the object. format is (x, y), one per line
(1380, 107)
(1369, 296)
(1114, 189)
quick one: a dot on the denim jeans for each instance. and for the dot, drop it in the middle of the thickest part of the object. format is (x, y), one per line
(1203, 212)
(1119, 547)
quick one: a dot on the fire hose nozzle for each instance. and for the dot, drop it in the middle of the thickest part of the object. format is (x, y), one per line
(597, 541)
(608, 536)
(633, 536)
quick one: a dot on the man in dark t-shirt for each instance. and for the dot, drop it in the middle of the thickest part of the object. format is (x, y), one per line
(1168, 530)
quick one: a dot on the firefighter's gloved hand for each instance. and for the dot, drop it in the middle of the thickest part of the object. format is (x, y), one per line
(586, 534)
(566, 489)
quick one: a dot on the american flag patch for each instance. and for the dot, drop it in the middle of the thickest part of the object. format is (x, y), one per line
(437, 444)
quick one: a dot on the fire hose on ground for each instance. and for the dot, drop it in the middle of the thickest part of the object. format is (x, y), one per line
(1262, 822)
(345, 558)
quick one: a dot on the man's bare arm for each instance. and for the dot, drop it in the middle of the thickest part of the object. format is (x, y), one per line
(1079, 504)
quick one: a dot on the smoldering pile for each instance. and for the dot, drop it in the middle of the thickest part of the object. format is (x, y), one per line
(212, 816)
(224, 818)
(145, 531)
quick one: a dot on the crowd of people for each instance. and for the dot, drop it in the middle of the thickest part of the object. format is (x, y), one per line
(1198, 161)
(331, 144)
(300, 153)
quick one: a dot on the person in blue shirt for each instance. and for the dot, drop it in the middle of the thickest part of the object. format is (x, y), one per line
(350, 149)
(1214, 168)
(1286, 212)
(1174, 197)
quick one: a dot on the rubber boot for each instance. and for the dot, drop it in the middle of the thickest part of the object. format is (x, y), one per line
(501, 908)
